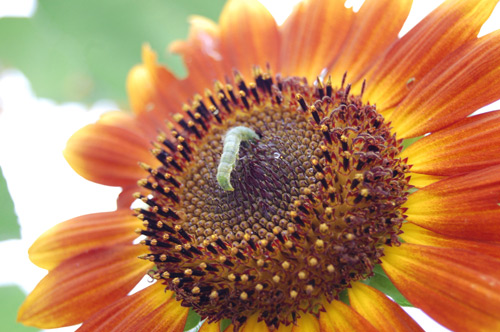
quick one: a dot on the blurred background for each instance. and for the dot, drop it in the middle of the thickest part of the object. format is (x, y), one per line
(62, 64)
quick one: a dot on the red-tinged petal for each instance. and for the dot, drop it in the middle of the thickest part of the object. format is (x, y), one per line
(126, 197)
(444, 30)
(312, 37)
(210, 327)
(172, 92)
(418, 235)
(108, 153)
(170, 316)
(380, 311)
(83, 285)
(202, 54)
(458, 288)
(375, 27)
(122, 314)
(463, 82)
(422, 180)
(249, 36)
(469, 145)
(82, 234)
(461, 206)
(340, 317)
(154, 91)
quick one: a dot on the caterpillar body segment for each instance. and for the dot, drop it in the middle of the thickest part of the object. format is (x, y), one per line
(232, 142)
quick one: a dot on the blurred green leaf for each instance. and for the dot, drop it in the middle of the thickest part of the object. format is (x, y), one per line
(224, 324)
(410, 141)
(12, 297)
(192, 320)
(9, 228)
(82, 50)
(381, 282)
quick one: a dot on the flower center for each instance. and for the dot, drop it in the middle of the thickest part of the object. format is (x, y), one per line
(317, 194)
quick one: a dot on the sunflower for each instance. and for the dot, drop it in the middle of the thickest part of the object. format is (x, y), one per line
(276, 182)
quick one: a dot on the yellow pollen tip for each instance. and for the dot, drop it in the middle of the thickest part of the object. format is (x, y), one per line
(293, 294)
(350, 237)
(319, 244)
(313, 262)
(276, 278)
(243, 296)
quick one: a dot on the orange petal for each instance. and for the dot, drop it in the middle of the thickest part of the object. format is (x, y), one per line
(249, 36)
(210, 327)
(469, 145)
(458, 288)
(340, 317)
(82, 285)
(108, 152)
(418, 235)
(202, 54)
(444, 30)
(422, 180)
(306, 323)
(375, 27)
(126, 197)
(170, 316)
(252, 325)
(463, 82)
(312, 37)
(129, 311)
(380, 311)
(154, 91)
(82, 234)
(461, 206)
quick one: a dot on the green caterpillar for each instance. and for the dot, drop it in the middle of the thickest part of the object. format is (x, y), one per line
(232, 142)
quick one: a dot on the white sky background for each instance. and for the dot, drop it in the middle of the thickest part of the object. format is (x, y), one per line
(45, 190)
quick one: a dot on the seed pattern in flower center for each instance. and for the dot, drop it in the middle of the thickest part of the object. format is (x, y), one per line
(315, 200)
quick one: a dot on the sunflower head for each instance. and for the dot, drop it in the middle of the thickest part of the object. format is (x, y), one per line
(312, 192)
(266, 198)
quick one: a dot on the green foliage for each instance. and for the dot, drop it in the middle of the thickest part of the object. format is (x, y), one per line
(192, 321)
(224, 324)
(9, 228)
(82, 50)
(12, 297)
